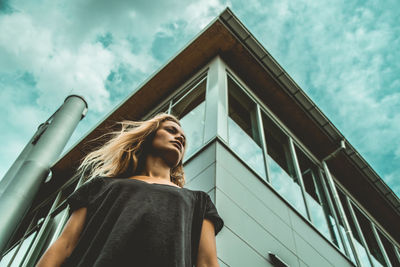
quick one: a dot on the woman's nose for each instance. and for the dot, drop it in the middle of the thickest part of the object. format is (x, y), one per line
(180, 138)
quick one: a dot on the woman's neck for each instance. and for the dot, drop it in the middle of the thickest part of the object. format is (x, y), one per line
(155, 167)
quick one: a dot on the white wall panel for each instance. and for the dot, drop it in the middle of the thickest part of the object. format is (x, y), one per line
(236, 253)
(252, 232)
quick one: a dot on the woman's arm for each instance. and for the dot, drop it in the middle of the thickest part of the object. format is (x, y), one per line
(207, 256)
(56, 254)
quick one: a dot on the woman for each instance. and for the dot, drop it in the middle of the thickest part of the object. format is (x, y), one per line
(133, 211)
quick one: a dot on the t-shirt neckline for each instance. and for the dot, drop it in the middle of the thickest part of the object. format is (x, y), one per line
(154, 183)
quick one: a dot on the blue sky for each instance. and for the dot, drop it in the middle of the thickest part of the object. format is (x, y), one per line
(344, 54)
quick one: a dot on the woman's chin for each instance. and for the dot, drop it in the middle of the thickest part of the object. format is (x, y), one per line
(173, 159)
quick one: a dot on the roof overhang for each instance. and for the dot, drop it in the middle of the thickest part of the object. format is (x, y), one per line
(228, 38)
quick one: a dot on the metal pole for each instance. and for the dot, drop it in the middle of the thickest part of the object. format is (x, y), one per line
(22, 240)
(32, 254)
(342, 214)
(359, 231)
(263, 142)
(64, 217)
(335, 216)
(17, 197)
(396, 251)
(299, 177)
(16, 165)
(381, 247)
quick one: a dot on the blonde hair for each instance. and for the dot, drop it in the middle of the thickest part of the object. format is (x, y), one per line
(124, 154)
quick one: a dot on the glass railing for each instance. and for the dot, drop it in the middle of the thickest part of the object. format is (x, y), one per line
(17, 259)
(193, 126)
(286, 186)
(346, 240)
(338, 241)
(362, 253)
(327, 228)
(376, 262)
(318, 217)
(246, 148)
(7, 257)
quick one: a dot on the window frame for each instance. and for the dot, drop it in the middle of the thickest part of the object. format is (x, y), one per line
(294, 140)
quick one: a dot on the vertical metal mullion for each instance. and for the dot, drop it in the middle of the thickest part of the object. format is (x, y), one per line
(335, 216)
(16, 251)
(204, 113)
(358, 228)
(299, 176)
(170, 107)
(60, 226)
(320, 194)
(263, 141)
(341, 213)
(64, 216)
(29, 248)
(318, 190)
(382, 248)
(396, 252)
(22, 240)
(32, 253)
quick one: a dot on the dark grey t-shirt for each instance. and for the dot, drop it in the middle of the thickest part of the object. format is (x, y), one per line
(133, 223)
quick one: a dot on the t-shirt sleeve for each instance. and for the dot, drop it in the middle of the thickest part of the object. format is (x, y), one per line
(84, 194)
(212, 214)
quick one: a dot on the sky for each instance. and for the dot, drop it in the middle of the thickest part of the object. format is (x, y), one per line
(344, 54)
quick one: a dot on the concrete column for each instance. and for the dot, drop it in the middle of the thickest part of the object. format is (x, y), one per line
(216, 102)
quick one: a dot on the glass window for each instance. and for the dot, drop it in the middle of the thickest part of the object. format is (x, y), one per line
(365, 225)
(321, 215)
(30, 222)
(8, 256)
(397, 252)
(347, 242)
(190, 110)
(362, 252)
(390, 249)
(281, 172)
(243, 128)
(341, 228)
(10, 260)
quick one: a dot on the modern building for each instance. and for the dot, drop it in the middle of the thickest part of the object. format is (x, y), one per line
(291, 189)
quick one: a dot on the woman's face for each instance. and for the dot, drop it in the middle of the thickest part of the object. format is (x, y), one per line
(169, 142)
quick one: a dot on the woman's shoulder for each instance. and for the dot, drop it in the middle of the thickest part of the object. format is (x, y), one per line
(199, 194)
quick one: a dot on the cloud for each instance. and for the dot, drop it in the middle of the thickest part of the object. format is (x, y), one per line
(341, 53)
(345, 57)
(23, 45)
(101, 50)
(392, 179)
(57, 70)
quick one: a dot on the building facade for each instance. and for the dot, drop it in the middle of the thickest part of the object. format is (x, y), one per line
(291, 189)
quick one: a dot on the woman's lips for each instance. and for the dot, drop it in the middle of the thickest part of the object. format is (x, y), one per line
(177, 144)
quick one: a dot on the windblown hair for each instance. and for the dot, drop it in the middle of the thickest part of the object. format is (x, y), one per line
(124, 154)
